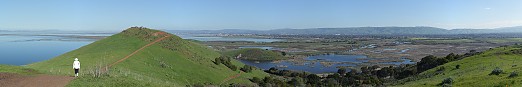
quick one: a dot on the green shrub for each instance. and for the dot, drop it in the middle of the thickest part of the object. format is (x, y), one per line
(341, 71)
(513, 74)
(217, 61)
(446, 85)
(440, 69)
(226, 61)
(297, 81)
(256, 80)
(313, 79)
(517, 51)
(496, 71)
(232, 67)
(447, 82)
(457, 66)
(247, 68)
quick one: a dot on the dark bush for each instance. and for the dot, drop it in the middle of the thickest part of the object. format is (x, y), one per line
(457, 66)
(297, 81)
(513, 74)
(446, 85)
(232, 67)
(313, 79)
(217, 61)
(517, 51)
(256, 80)
(226, 61)
(247, 68)
(496, 71)
(447, 82)
(341, 71)
(440, 69)
(272, 70)
(429, 62)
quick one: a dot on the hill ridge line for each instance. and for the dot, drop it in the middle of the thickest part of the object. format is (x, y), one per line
(136, 51)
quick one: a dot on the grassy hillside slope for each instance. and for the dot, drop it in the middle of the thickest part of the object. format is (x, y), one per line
(17, 70)
(474, 71)
(170, 62)
(255, 54)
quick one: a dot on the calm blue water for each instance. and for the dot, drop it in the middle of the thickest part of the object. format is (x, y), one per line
(260, 47)
(340, 58)
(26, 49)
(313, 65)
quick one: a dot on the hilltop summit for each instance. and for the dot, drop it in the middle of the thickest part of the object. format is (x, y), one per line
(140, 56)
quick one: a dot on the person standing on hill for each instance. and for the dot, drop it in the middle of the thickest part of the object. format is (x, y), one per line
(76, 67)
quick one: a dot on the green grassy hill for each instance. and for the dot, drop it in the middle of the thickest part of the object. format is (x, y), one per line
(255, 54)
(170, 62)
(17, 70)
(474, 71)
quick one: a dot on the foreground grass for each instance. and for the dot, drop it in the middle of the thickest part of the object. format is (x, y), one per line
(117, 81)
(474, 71)
(17, 70)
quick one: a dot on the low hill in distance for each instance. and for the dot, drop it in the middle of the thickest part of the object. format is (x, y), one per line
(169, 62)
(476, 71)
(255, 54)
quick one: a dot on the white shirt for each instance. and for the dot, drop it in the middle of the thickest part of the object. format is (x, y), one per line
(76, 64)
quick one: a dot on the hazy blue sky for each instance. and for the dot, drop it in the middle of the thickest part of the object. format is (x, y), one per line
(250, 14)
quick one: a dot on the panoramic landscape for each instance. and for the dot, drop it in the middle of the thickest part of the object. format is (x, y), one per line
(268, 43)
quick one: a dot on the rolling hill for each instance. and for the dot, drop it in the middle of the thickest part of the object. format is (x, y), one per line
(475, 71)
(170, 61)
(362, 31)
(255, 54)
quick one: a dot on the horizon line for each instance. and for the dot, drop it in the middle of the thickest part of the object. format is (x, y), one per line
(116, 30)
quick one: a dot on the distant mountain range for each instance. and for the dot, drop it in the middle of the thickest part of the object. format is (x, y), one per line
(359, 31)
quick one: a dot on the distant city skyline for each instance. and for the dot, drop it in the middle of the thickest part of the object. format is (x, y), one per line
(115, 15)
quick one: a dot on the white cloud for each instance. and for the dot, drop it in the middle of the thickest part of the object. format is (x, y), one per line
(487, 8)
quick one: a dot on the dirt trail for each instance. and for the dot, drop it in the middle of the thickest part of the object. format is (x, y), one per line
(126, 57)
(231, 77)
(15, 80)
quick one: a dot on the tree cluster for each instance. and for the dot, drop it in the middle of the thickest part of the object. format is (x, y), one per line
(225, 61)
(342, 78)
(513, 74)
(447, 82)
(516, 51)
(496, 71)
(430, 61)
(247, 68)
